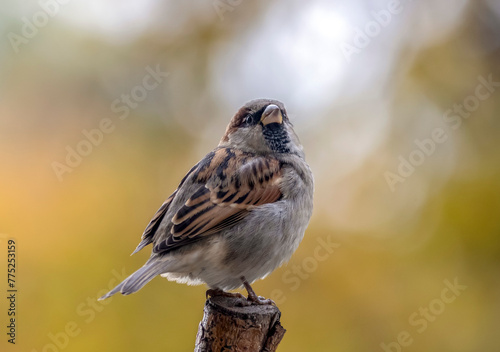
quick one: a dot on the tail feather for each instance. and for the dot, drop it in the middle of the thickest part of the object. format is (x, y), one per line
(138, 279)
(142, 244)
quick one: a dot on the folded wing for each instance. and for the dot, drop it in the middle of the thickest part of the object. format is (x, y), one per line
(231, 184)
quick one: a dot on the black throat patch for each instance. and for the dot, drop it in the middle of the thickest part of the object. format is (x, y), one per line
(276, 137)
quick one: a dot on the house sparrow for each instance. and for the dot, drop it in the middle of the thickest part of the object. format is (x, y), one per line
(238, 214)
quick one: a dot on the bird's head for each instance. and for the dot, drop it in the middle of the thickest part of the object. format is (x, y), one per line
(262, 126)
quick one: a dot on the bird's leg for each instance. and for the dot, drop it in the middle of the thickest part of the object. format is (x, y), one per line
(252, 297)
(218, 292)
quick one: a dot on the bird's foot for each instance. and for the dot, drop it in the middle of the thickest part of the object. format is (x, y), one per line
(218, 292)
(259, 300)
(253, 299)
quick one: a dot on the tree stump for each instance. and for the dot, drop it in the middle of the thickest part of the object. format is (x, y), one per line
(228, 326)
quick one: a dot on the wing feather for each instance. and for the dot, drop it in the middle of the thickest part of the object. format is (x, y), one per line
(231, 184)
(147, 236)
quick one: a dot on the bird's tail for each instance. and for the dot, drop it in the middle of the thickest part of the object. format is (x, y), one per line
(138, 279)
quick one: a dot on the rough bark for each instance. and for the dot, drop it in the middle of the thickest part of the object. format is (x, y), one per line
(226, 326)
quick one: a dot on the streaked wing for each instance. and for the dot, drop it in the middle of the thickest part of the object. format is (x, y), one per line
(232, 183)
(147, 236)
(151, 230)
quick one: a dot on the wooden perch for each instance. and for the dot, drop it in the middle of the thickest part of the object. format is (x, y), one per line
(227, 326)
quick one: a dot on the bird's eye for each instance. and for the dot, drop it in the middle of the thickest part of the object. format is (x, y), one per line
(249, 119)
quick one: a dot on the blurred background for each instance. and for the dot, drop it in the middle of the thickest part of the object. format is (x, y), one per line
(105, 105)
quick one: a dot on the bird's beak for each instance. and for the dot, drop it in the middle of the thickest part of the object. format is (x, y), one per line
(272, 114)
